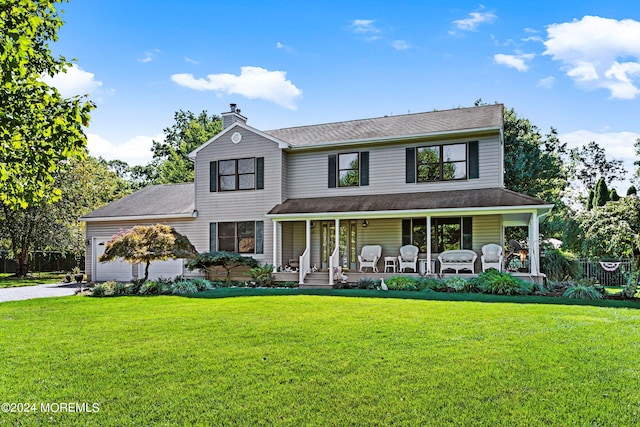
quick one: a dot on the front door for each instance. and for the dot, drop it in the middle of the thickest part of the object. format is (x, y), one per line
(348, 243)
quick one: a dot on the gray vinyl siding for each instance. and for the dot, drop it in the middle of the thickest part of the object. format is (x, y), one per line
(486, 229)
(308, 170)
(232, 206)
(186, 227)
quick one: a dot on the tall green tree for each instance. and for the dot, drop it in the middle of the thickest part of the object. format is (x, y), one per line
(589, 163)
(40, 131)
(171, 156)
(534, 165)
(600, 193)
(85, 186)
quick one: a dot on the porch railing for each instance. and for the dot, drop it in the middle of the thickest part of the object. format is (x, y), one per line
(334, 262)
(304, 265)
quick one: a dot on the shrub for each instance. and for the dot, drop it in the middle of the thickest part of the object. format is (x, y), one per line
(401, 283)
(431, 284)
(559, 265)
(631, 287)
(500, 283)
(263, 274)
(153, 287)
(288, 284)
(201, 284)
(458, 284)
(582, 291)
(119, 289)
(368, 283)
(183, 287)
(100, 290)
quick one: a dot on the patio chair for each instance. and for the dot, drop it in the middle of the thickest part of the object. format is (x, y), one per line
(408, 258)
(492, 257)
(369, 257)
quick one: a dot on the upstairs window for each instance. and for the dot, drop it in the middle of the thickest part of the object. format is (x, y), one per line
(445, 162)
(237, 174)
(348, 169)
(441, 162)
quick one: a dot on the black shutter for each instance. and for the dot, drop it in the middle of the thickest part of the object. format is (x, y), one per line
(474, 166)
(467, 232)
(411, 165)
(333, 159)
(213, 176)
(364, 168)
(260, 173)
(259, 237)
(213, 237)
(406, 232)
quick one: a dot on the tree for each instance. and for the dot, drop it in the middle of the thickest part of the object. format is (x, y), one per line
(171, 157)
(143, 244)
(39, 130)
(85, 186)
(612, 230)
(613, 195)
(589, 163)
(600, 193)
(631, 191)
(224, 259)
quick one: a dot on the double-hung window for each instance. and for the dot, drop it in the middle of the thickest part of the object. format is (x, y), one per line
(349, 169)
(237, 174)
(243, 237)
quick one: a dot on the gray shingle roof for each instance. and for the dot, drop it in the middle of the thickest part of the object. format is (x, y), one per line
(170, 199)
(481, 198)
(482, 117)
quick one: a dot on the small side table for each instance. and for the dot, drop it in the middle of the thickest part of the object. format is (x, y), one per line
(390, 262)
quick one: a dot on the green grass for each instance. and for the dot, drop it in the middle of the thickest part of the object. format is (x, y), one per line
(34, 279)
(320, 360)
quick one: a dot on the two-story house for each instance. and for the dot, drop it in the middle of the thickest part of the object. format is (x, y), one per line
(434, 180)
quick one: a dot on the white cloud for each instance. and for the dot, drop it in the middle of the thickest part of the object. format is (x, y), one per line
(135, 151)
(519, 61)
(149, 56)
(400, 45)
(364, 26)
(284, 47)
(473, 21)
(75, 81)
(192, 61)
(547, 82)
(252, 83)
(598, 52)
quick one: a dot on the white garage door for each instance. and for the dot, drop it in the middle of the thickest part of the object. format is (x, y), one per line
(117, 269)
(168, 269)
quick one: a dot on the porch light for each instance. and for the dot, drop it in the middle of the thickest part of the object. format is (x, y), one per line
(312, 224)
(365, 223)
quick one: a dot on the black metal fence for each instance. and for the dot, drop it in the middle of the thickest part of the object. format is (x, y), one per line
(607, 273)
(43, 261)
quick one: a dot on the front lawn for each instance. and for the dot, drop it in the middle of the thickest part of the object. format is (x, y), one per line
(7, 280)
(319, 360)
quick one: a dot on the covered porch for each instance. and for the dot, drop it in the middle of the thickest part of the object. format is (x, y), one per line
(322, 237)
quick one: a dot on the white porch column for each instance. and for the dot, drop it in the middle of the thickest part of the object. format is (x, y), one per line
(338, 238)
(275, 245)
(534, 243)
(308, 238)
(428, 269)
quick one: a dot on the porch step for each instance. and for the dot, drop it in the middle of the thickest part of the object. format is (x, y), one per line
(316, 280)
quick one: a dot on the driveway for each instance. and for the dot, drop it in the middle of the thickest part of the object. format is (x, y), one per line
(38, 291)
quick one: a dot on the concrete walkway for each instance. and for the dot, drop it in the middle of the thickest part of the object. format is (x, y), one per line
(38, 291)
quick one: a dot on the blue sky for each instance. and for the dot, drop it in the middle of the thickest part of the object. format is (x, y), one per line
(573, 65)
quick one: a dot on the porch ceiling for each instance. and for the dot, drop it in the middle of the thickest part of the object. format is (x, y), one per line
(478, 201)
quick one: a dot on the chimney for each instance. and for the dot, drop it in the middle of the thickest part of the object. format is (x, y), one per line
(232, 116)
